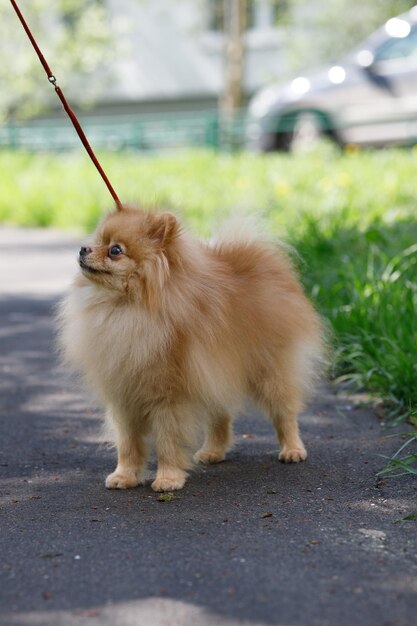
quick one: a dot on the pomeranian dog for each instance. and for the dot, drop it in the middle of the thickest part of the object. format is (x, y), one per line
(173, 334)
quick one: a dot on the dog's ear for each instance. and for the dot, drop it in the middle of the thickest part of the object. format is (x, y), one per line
(164, 227)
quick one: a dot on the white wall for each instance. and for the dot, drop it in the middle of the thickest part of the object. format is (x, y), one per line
(169, 54)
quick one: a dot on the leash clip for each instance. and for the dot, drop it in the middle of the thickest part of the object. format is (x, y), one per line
(52, 80)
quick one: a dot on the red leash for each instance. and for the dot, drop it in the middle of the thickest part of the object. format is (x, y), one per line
(67, 107)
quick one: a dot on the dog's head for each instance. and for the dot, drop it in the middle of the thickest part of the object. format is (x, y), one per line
(133, 252)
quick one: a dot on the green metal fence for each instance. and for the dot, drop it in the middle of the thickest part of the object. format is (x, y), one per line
(136, 132)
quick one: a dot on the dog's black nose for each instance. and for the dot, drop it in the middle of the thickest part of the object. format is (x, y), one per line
(84, 251)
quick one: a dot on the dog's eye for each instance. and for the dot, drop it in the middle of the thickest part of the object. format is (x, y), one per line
(115, 250)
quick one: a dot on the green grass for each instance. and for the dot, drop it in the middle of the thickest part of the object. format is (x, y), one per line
(352, 218)
(402, 466)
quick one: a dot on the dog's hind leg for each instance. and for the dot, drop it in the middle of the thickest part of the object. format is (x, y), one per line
(285, 422)
(218, 439)
(282, 398)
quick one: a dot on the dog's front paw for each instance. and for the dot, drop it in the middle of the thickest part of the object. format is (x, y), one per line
(169, 483)
(209, 456)
(292, 455)
(122, 480)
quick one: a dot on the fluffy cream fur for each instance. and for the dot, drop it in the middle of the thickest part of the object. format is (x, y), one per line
(173, 334)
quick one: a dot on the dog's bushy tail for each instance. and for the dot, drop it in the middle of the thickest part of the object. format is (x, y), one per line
(242, 229)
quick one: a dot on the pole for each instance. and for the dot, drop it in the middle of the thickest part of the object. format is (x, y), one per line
(234, 26)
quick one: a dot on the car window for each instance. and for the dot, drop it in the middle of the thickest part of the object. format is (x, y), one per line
(398, 48)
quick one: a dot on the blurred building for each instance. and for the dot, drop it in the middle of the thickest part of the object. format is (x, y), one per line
(172, 54)
(162, 87)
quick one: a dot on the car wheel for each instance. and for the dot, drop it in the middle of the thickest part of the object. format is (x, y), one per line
(302, 131)
(306, 132)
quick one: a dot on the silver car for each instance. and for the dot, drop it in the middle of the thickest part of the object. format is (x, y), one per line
(368, 98)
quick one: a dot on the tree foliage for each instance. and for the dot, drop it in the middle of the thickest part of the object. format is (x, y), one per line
(76, 39)
(320, 32)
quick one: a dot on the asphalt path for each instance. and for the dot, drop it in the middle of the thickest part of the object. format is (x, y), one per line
(248, 541)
